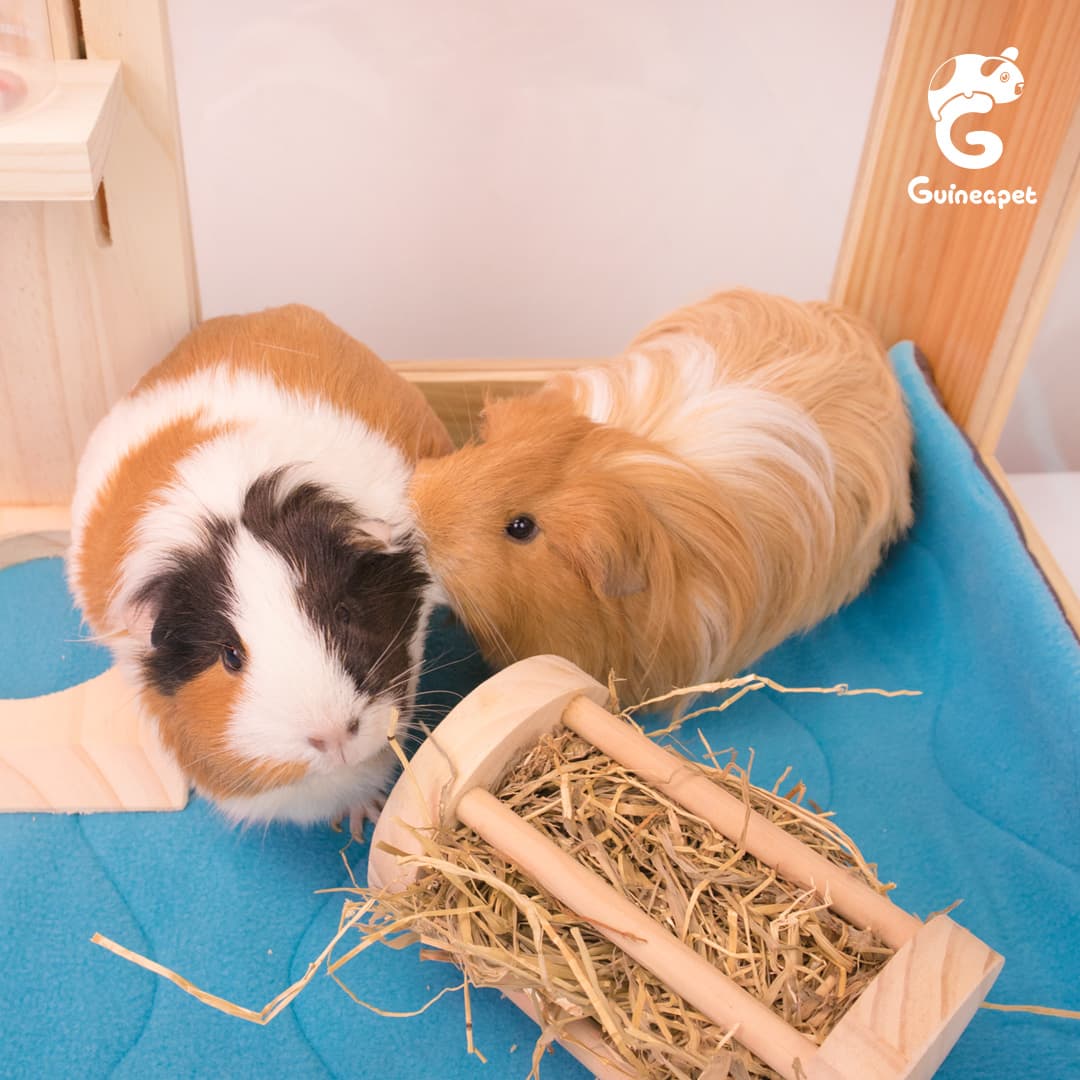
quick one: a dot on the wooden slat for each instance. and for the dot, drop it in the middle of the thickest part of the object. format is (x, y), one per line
(458, 389)
(1035, 283)
(33, 532)
(64, 28)
(968, 283)
(24, 520)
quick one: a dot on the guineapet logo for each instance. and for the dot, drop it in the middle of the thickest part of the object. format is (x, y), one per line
(972, 83)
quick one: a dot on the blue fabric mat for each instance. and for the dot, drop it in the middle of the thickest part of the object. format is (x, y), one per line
(971, 791)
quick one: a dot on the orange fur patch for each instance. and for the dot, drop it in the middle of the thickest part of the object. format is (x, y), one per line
(304, 352)
(114, 516)
(193, 724)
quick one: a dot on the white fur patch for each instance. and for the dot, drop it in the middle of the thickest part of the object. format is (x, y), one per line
(295, 688)
(677, 394)
(595, 385)
(316, 797)
(217, 395)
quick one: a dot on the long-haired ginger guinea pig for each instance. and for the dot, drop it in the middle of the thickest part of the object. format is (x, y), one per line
(673, 513)
(243, 541)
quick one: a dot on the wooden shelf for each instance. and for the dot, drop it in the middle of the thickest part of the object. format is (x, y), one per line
(57, 150)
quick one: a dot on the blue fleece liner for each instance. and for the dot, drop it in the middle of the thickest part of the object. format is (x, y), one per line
(971, 791)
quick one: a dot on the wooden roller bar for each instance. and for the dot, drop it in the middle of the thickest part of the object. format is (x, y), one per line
(624, 924)
(681, 781)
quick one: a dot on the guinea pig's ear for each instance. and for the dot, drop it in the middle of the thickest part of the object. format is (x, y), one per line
(140, 614)
(615, 573)
(373, 529)
(609, 554)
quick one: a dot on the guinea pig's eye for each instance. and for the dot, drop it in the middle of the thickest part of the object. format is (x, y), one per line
(522, 528)
(232, 658)
(342, 614)
(1004, 76)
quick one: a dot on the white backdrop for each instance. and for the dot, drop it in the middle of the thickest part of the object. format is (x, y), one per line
(541, 178)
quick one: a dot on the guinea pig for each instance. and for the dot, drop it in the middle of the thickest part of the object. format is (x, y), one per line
(243, 540)
(672, 514)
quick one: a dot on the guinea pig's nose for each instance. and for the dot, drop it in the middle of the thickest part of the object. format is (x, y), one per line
(334, 740)
(1018, 89)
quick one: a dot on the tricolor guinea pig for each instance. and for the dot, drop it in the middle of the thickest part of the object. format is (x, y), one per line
(672, 514)
(243, 541)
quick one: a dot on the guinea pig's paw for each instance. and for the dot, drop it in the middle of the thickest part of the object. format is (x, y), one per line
(361, 813)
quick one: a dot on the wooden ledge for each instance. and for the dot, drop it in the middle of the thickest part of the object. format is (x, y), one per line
(57, 150)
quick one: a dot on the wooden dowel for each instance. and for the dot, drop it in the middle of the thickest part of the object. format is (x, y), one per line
(589, 897)
(690, 788)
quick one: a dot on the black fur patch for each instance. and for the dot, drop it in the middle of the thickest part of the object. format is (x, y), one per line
(366, 601)
(192, 600)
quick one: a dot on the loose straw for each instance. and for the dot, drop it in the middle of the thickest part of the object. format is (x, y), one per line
(271, 1008)
(1035, 1010)
(746, 684)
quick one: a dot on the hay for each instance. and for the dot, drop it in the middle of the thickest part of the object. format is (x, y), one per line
(773, 938)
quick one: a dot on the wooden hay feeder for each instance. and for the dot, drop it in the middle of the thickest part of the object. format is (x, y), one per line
(902, 1024)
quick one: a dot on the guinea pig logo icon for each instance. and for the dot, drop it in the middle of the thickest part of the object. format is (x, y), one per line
(973, 83)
